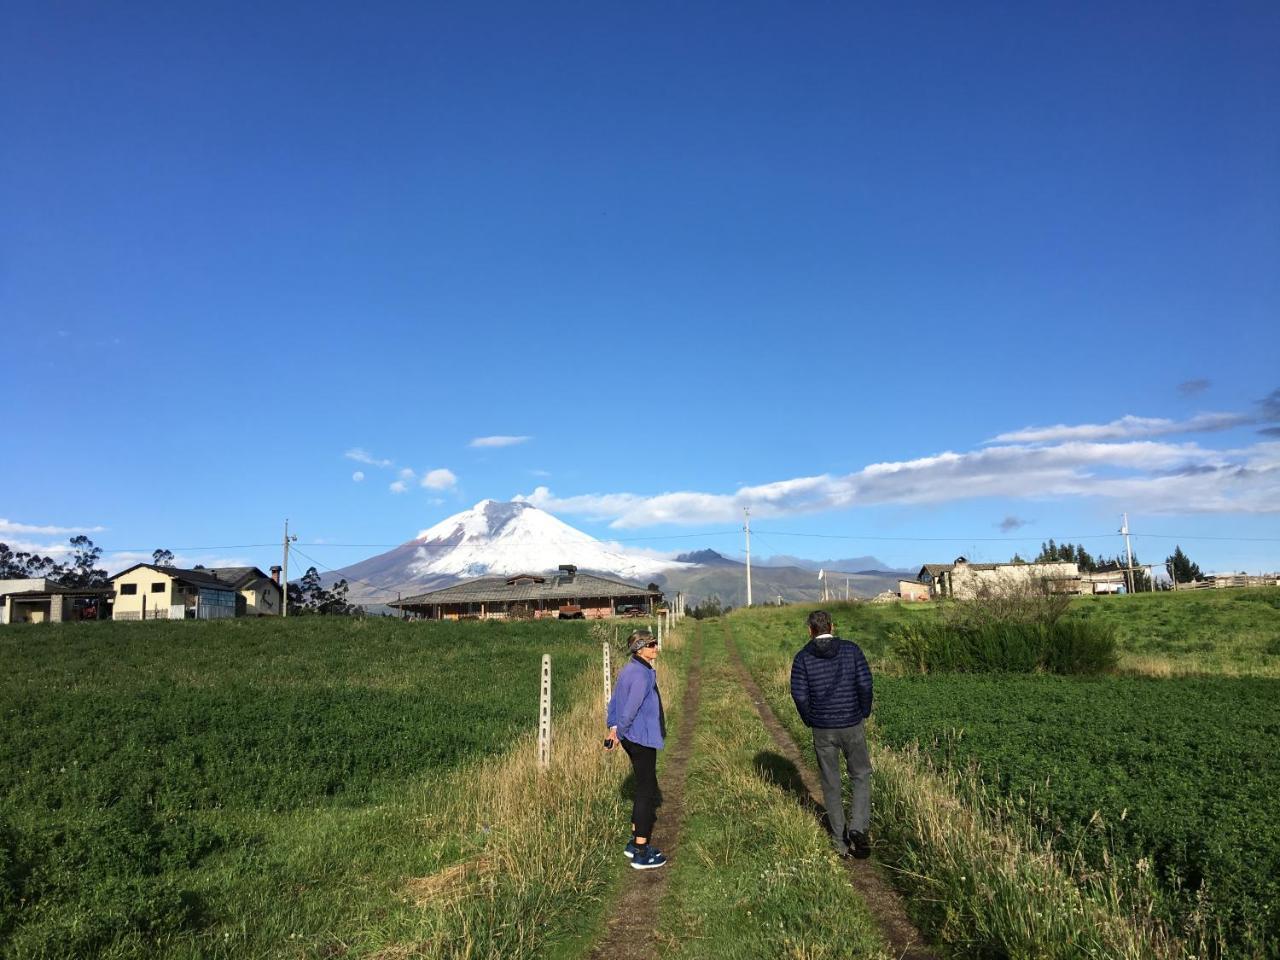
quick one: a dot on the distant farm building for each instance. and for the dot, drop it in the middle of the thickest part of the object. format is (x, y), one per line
(42, 600)
(149, 592)
(963, 580)
(532, 596)
(913, 590)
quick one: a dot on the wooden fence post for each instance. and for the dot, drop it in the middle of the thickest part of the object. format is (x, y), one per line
(544, 715)
(607, 673)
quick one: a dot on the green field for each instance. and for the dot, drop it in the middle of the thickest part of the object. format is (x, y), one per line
(330, 787)
(1179, 774)
(1166, 783)
(231, 786)
(1234, 632)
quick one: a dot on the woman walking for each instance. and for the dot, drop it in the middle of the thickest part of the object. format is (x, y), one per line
(635, 720)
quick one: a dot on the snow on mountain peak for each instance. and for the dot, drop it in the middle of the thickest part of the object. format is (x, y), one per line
(508, 537)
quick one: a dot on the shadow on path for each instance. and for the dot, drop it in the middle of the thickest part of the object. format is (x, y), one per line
(777, 769)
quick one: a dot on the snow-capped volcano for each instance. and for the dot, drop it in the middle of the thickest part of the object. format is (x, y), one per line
(516, 537)
(493, 538)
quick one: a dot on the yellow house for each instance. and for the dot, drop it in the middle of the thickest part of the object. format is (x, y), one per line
(149, 592)
(257, 595)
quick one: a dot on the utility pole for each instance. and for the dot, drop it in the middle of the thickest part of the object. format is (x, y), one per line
(747, 513)
(1128, 552)
(285, 585)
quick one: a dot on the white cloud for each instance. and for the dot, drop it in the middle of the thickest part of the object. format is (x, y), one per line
(499, 441)
(439, 479)
(540, 473)
(12, 526)
(1163, 477)
(54, 550)
(398, 486)
(1127, 428)
(361, 455)
(406, 473)
(358, 476)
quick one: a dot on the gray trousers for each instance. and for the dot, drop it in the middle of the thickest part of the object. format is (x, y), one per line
(830, 746)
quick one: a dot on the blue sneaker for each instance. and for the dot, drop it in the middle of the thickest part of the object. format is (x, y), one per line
(649, 859)
(629, 851)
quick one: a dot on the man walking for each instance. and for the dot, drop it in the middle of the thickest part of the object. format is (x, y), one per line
(831, 685)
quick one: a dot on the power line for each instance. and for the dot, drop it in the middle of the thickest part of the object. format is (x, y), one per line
(714, 533)
(331, 570)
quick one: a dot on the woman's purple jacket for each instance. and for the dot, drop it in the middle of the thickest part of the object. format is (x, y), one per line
(635, 707)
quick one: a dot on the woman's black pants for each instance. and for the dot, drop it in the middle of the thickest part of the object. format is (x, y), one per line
(645, 800)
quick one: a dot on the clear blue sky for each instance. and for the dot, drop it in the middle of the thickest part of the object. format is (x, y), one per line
(684, 249)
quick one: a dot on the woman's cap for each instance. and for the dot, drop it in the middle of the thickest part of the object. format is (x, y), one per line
(639, 639)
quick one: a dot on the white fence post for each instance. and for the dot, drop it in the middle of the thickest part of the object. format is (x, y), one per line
(544, 715)
(659, 629)
(607, 673)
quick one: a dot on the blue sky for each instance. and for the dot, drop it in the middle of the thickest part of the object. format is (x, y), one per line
(812, 258)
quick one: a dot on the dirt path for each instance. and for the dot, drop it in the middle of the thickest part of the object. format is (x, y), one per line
(882, 900)
(630, 928)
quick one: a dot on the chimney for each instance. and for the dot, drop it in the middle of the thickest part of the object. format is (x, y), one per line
(570, 571)
(275, 573)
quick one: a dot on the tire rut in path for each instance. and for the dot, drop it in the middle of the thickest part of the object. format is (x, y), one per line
(886, 906)
(633, 921)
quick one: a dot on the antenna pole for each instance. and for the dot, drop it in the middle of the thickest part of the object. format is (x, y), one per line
(746, 511)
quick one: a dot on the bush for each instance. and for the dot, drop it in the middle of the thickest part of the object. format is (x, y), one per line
(1007, 647)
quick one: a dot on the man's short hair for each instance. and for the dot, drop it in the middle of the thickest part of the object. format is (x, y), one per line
(820, 622)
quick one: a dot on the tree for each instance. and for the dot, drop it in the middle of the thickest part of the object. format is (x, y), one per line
(23, 565)
(1071, 552)
(309, 597)
(162, 557)
(1180, 567)
(83, 570)
(710, 607)
(1017, 558)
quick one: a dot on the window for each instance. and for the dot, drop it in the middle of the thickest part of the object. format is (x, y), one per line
(128, 589)
(158, 587)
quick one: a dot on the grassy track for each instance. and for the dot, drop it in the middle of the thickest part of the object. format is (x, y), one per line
(756, 876)
(246, 788)
(1191, 767)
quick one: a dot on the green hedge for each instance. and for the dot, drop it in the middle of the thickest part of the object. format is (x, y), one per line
(1064, 646)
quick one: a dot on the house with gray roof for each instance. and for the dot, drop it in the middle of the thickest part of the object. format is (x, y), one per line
(148, 591)
(532, 596)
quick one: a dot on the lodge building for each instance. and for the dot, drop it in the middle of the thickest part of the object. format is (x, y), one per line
(532, 596)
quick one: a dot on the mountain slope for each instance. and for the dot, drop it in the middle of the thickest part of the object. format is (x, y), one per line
(492, 538)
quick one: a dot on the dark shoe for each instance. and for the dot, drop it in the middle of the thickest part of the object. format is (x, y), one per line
(648, 859)
(859, 845)
(629, 851)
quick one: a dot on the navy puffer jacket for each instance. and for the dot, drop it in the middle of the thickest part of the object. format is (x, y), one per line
(831, 683)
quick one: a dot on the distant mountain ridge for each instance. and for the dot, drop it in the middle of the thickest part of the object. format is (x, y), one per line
(496, 538)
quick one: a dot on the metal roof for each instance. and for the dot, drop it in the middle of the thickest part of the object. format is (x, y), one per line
(239, 577)
(496, 589)
(205, 577)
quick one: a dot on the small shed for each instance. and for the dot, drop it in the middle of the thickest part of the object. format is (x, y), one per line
(913, 590)
(42, 600)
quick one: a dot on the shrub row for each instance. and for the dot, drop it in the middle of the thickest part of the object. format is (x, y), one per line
(1064, 646)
